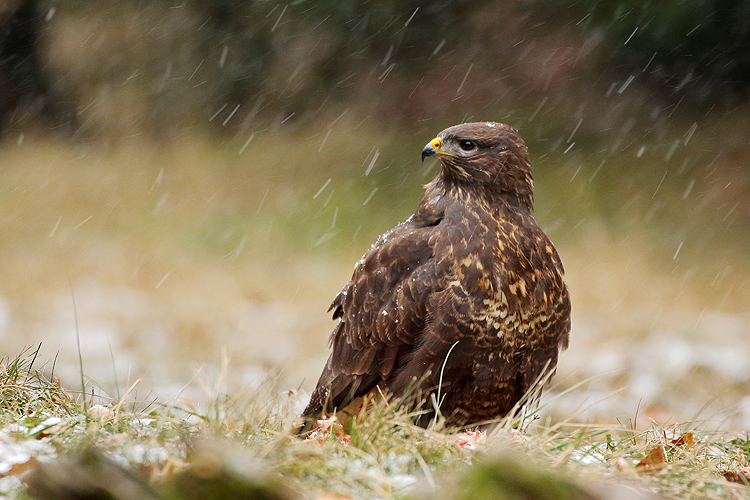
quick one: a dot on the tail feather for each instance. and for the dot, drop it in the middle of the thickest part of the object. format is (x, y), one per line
(333, 394)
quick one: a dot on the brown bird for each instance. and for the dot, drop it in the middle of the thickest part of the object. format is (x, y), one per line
(463, 305)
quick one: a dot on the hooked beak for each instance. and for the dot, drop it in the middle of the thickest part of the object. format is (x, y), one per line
(432, 148)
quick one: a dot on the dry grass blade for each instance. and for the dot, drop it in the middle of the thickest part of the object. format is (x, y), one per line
(25, 390)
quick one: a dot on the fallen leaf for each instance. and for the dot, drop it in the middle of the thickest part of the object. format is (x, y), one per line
(50, 426)
(741, 475)
(101, 413)
(19, 467)
(654, 460)
(686, 439)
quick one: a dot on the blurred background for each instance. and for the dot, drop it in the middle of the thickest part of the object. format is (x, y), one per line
(185, 178)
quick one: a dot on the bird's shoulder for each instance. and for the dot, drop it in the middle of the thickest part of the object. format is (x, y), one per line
(384, 301)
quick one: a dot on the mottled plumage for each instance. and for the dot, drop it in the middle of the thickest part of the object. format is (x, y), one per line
(468, 287)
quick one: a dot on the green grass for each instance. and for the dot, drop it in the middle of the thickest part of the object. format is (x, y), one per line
(244, 442)
(24, 391)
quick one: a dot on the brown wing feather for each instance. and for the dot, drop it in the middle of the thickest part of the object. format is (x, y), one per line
(381, 312)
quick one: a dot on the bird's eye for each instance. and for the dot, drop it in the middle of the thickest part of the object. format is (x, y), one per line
(467, 145)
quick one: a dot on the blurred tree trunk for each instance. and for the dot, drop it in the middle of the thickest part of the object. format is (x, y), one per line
(24, 89)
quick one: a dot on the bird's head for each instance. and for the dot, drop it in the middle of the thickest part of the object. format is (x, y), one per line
(484, 159)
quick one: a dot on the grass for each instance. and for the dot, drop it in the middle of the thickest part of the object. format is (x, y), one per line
(244, 442)
(25, 391)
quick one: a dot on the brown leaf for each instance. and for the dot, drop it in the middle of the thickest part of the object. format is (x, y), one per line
(686, 439)
(19, 467)
(654, 460)
(741, 475)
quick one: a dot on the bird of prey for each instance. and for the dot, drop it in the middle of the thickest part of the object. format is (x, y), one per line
(463, 305)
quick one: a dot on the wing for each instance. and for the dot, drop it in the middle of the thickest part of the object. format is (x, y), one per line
(381, 311)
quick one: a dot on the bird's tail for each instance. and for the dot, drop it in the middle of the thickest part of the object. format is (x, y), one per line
(329, 397)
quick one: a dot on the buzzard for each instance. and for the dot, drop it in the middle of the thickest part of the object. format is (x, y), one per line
(463, 305)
